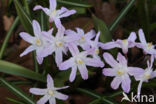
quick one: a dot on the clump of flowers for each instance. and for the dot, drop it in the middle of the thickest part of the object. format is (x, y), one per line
(85, 51)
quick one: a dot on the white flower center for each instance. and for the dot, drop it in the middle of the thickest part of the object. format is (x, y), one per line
(121, 71)
(79, 61)
(149, 45)
(147, 75)
(125, 42)
(97, 51)
(38, 42)
(59, 44)
(53, 13)
(82, 40)
(50, 92)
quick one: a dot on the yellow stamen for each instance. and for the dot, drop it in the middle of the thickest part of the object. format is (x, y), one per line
(38, 42)
(82, 38)
(149, 45)
(79, 61)
(147, 76)
(51, 93)
(53, 13)
(124, 41)
(59, 44)
(120, 72)
(97, 51)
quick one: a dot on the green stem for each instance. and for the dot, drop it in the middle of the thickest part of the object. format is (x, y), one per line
(4, 45)
(26, 6)
(121, 15)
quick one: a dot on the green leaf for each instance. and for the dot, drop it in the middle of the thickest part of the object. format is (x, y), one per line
(14, 101)
(10, 68)
(152, 26)
(4, 45)
(121, 15)
(142, 9)
(101, 26)
(61, 77)
(89, 92)
(17, 91)
(24, 18)
(75, 3)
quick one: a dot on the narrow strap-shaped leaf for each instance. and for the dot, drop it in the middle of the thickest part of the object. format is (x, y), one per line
(13, 69)
(17, 91)
(8, 36)
(73, 3)
(89, 92)
(102, 27)
(121, 15)
(14, 101)
(24, 18)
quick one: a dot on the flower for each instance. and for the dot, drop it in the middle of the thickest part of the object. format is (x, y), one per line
(148, 48)
(57, 44)
(50, 93)
(123, 44)
(144, 75)
(82, 38)
(55, 15)
(79, 60)
(38, 42)
(119, 70)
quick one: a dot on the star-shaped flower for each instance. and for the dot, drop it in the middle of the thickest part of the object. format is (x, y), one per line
(83, 40)
(123, 44)
(50, 93)
(55, 15)
(148, 48)
(57, 44)
(37, 42)
(144, 75)
(79, 60)
(119, 70)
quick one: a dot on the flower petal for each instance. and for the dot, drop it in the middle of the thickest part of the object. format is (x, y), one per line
(95, 62)
(142, 36)
(73, 73)
(38, 91)
(57, 22)
(116, 82)
(43, 100)
(27, 37)
(50, 82)
(136, 72)
(64, 12)
(61, 88)
(109, 59)
(52, 100)
(58, 56)
(26, 51)
(73, 49)
(53, 4)
(132, 36)
(39, 59)
(80, 31)
(36, 28)
(91, 34)
(46, 10)
(126, 83)
(109, 45)
(83, 71)
(139, 88)
(153, 75)
(121, 59)
(60, 96)
(109, 72)
(66, 64)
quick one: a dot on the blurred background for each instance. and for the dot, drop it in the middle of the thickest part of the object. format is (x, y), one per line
(90, 13)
